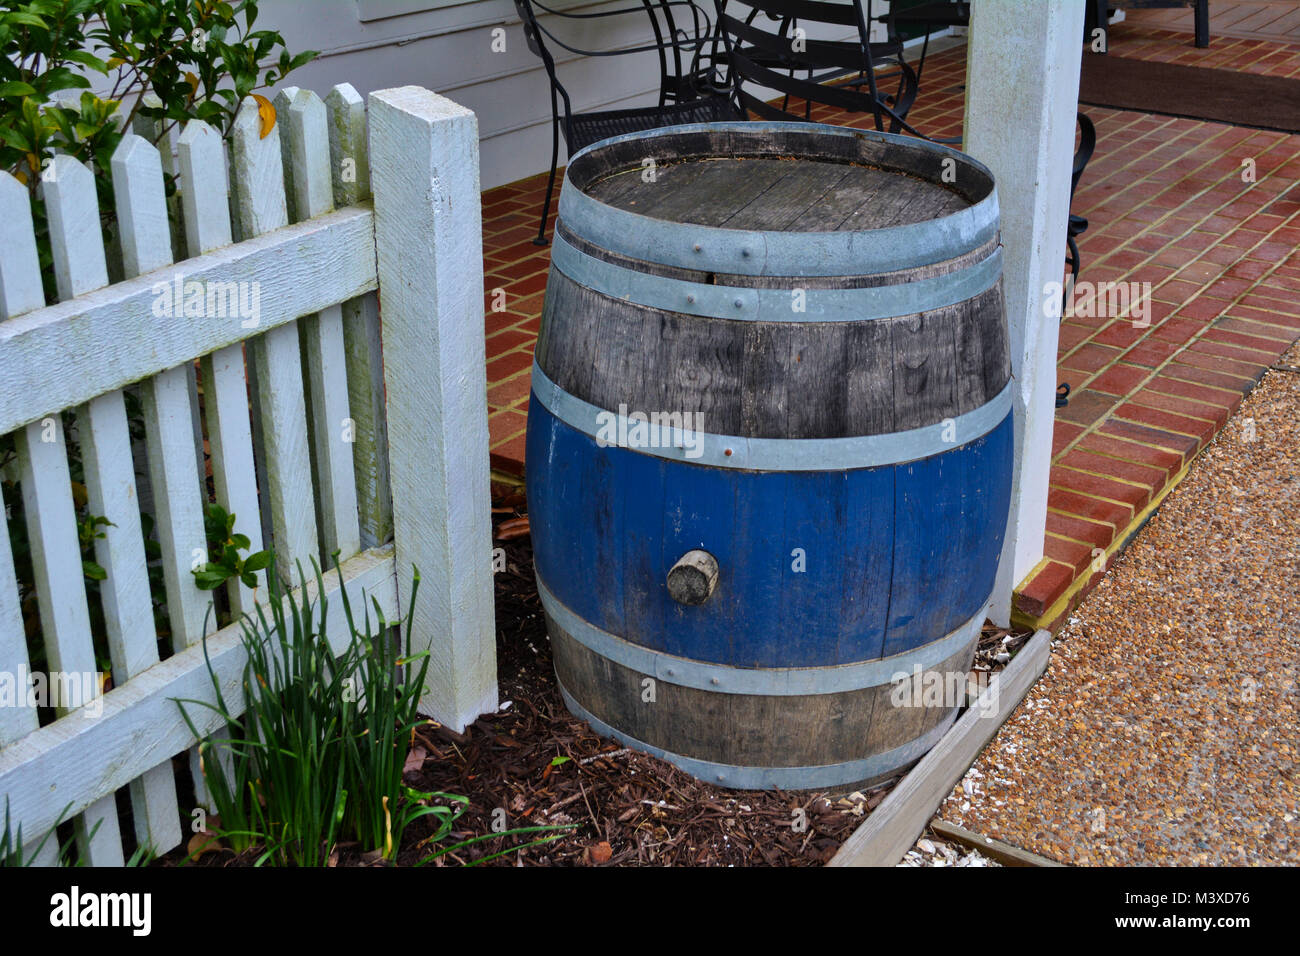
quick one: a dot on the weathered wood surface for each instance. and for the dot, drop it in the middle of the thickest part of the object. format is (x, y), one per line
(746, 729)
(895, 824)
(280, 404)
(761, 378)
(779, 194)
(691, 158)
(350, 170)
(776, 379)
(427, 230)
(1005, 853)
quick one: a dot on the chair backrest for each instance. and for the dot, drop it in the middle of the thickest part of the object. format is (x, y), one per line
(533, 37)
(767, 48)
(681, 29)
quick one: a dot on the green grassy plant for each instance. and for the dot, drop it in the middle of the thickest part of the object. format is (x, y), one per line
(317, 757)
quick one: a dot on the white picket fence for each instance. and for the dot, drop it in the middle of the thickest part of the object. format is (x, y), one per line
(332, 424)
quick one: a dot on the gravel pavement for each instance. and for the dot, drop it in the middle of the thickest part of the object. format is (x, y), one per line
(1166, 729)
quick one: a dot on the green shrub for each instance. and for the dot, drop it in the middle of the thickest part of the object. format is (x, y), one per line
(200, 58)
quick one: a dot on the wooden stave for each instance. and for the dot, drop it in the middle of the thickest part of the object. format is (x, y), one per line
(873, 377)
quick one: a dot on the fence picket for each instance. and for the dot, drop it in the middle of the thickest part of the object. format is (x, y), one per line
(168, 401)
(158, 134)
(20, 269)
(80, 266)
(19, 720)
(124, 594)
(20, 292)
(230, 437)
(307, 173)
(61, 595)
(362, 344)
(170, 409)
(281, 409)
(75, 241)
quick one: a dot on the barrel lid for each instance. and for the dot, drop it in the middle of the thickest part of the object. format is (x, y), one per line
(768, 199)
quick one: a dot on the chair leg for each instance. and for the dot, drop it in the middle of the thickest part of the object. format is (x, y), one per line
(1202, 23)
(1100, 10)
(1072, 259)
(541, 239)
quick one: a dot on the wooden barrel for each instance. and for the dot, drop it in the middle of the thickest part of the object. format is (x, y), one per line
(769, 446)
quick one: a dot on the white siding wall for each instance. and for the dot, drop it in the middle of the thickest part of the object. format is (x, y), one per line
(448, 48)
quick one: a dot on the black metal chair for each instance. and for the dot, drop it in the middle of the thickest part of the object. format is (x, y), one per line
(926, 17)
(1098, 14)
(1076, 226)
(691, 87)
(766, 48)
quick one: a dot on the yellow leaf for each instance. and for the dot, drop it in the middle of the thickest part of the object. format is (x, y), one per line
(388, 830)
(266, 112)
(115, 61)
(202, 842)
(79, 494)
(193, 81)
(20, 176)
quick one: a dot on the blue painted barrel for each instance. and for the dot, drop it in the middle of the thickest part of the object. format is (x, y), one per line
(769, 446)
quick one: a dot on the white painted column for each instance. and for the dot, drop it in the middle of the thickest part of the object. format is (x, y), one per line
(1022, 90)
(428, 233)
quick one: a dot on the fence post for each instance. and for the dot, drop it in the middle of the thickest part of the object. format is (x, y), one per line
(425, 178)
(1022, 83)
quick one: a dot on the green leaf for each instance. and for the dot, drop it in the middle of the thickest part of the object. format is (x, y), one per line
(25, 19)
(210, 577)
(16, 88)
(560, 761)
(258, 562)
(93, 571)
(86, 59)
(15, 140)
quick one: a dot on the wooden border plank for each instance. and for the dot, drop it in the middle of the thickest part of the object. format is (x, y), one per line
(893, 827)
(1005, 853)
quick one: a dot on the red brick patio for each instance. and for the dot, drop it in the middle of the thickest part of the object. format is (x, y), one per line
(1167, 205)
